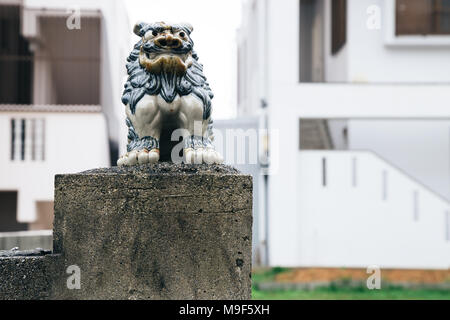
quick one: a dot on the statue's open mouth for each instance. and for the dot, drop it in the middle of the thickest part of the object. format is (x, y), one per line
(168, 62)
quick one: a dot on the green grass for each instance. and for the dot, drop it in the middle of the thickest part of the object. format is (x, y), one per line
(340, 292)
(351, 294)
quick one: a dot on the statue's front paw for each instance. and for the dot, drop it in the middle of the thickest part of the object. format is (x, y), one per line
(201, 155)
(211, 156)
(139, 157)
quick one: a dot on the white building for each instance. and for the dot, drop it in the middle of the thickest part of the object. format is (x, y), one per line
(62, 68)
(356, 95)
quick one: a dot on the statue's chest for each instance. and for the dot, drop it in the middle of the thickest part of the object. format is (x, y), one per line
(168, 108)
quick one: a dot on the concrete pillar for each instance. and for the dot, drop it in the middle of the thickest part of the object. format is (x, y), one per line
(156, 232)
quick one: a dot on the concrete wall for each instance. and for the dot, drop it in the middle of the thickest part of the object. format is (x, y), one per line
(27, 240)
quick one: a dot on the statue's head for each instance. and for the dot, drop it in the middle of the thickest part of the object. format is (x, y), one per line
(165, 47)
(163, 62)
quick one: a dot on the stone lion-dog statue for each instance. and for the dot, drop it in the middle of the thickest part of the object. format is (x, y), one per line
(166, 90)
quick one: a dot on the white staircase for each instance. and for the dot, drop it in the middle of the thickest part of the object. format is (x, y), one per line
(356, 210)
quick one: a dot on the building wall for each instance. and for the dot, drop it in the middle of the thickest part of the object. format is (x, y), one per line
(365, 212)
(73, 142)
(238, 142)
(252, 51)
(373, 55)
(366, 57)
(371, 59)
(418, 147)
(336, 66)
(115, 47)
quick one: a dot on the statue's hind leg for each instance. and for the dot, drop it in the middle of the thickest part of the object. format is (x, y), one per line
(144, 130)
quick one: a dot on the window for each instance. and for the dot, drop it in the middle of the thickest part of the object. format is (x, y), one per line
(27, 139)
(15, 59)
(338, 25)
(312, 65)
(315, 135)
(447, 225)
(13, 138)
(65, 70)
(8, 213)
(4, 29)
(74, 57)
(422, 17)
(44, 212)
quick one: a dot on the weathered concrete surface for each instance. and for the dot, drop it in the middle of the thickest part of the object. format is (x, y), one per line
(156, 232)
(31, 277)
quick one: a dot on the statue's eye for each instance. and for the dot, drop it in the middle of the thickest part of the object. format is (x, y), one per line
(182, 34)
(154, 33)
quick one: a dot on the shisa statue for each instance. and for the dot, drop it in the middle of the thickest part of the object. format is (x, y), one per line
(165, 91)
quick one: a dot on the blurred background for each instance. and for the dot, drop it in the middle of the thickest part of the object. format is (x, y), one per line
(340, 109)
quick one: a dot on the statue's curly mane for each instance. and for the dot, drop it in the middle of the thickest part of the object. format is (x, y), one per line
(141, 82)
